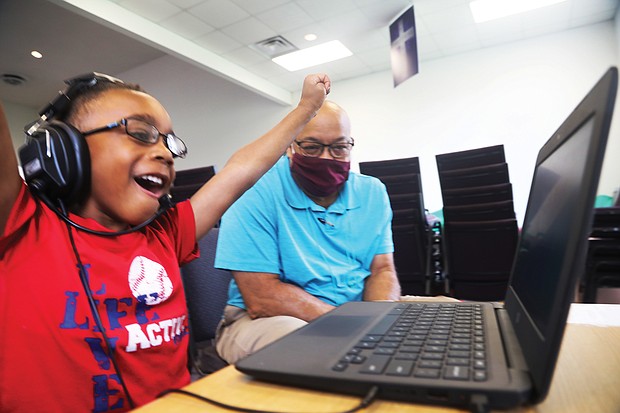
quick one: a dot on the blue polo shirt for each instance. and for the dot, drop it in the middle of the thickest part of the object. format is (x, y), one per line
(275, 228)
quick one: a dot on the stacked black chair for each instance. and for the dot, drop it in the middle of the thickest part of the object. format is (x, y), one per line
(603, 259)
(480, 228)
(188, 181)
(409, 226)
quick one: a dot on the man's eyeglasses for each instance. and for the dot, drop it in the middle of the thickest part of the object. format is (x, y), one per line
(147, 133)
(315, 149)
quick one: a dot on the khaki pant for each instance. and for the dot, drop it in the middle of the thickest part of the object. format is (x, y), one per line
(238, 335)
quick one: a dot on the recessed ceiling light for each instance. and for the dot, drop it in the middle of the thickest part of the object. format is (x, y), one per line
(310, 37)
(312, 56)
(36, 54)
(485, 10)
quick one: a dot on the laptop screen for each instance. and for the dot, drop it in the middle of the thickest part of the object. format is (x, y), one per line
(550, 257)
(553, 202)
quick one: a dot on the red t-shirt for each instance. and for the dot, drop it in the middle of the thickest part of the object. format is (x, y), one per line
(51, 351)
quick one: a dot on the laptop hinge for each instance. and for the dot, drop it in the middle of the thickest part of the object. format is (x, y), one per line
(512, 348)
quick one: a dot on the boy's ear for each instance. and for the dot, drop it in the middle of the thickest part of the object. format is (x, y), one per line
(56, 162)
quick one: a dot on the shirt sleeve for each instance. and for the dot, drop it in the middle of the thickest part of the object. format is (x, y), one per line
(23, 210)
(386, 245)
(379, 212)
(180, 224)
(247, 238)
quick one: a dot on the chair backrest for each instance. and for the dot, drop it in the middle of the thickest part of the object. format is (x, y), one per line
(409, 226)
(206, 289)
(492, 211)
(480, 250)
(188, 181)
(479, 258)
(474, 177)
(390, 167)
(603, 260)
(410, 256)
(470, 158)
(477, 195)
(402, 184)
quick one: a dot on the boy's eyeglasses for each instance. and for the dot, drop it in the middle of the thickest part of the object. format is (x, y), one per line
(315, 149)
(147, 133)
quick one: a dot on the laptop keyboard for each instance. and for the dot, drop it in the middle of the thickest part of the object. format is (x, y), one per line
(426, 340)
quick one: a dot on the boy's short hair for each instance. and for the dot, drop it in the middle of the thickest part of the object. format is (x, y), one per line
(81, 101)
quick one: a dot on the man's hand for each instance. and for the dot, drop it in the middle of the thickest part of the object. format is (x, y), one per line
(315, 88)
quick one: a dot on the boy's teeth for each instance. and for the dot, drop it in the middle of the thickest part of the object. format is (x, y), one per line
(153, 179)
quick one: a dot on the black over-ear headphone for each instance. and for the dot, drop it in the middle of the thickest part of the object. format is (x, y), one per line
(55, 159)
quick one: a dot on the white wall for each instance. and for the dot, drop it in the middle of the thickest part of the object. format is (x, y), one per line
(516, 95)
(18, 116)
(214, 118)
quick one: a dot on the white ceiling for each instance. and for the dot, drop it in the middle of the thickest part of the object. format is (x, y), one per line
(114, 36)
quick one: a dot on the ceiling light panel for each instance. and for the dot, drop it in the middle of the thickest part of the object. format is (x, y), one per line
(312, 56)
(486, 10)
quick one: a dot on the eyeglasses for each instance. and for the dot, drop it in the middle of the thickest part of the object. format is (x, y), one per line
(147, 133)
(315, 149)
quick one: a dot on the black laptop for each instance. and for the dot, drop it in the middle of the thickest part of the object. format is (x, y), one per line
(470, 353)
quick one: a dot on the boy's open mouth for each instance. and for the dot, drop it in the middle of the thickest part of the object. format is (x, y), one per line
(151, 183)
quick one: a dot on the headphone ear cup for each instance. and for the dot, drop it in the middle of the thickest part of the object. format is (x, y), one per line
(56, 162)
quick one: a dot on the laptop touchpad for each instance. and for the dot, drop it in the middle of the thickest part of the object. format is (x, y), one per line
(336, 326)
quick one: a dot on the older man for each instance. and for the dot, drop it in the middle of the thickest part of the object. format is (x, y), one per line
(309, 236)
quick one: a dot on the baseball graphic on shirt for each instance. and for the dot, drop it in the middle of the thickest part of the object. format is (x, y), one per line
(149, 279)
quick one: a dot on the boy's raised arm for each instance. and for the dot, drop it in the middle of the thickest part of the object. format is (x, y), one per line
(250, 162)
(9, 176)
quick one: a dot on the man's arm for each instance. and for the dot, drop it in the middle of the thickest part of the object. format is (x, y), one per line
(249, 163)
(382, 284)
(266, 296)
(10, 181)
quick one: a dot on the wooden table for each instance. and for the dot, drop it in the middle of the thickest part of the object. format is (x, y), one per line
(586, 380)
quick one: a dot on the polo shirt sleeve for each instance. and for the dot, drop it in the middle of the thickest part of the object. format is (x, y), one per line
(247, 237)
(381, 204)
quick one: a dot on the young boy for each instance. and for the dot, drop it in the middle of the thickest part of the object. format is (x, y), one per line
(99, 323)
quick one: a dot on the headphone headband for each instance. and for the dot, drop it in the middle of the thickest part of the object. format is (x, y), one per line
(60, 104)
(55, 158)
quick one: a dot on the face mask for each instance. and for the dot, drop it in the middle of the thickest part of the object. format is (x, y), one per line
(319, 176)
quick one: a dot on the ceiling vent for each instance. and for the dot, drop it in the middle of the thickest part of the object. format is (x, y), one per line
(274, 46)
(13, 80)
